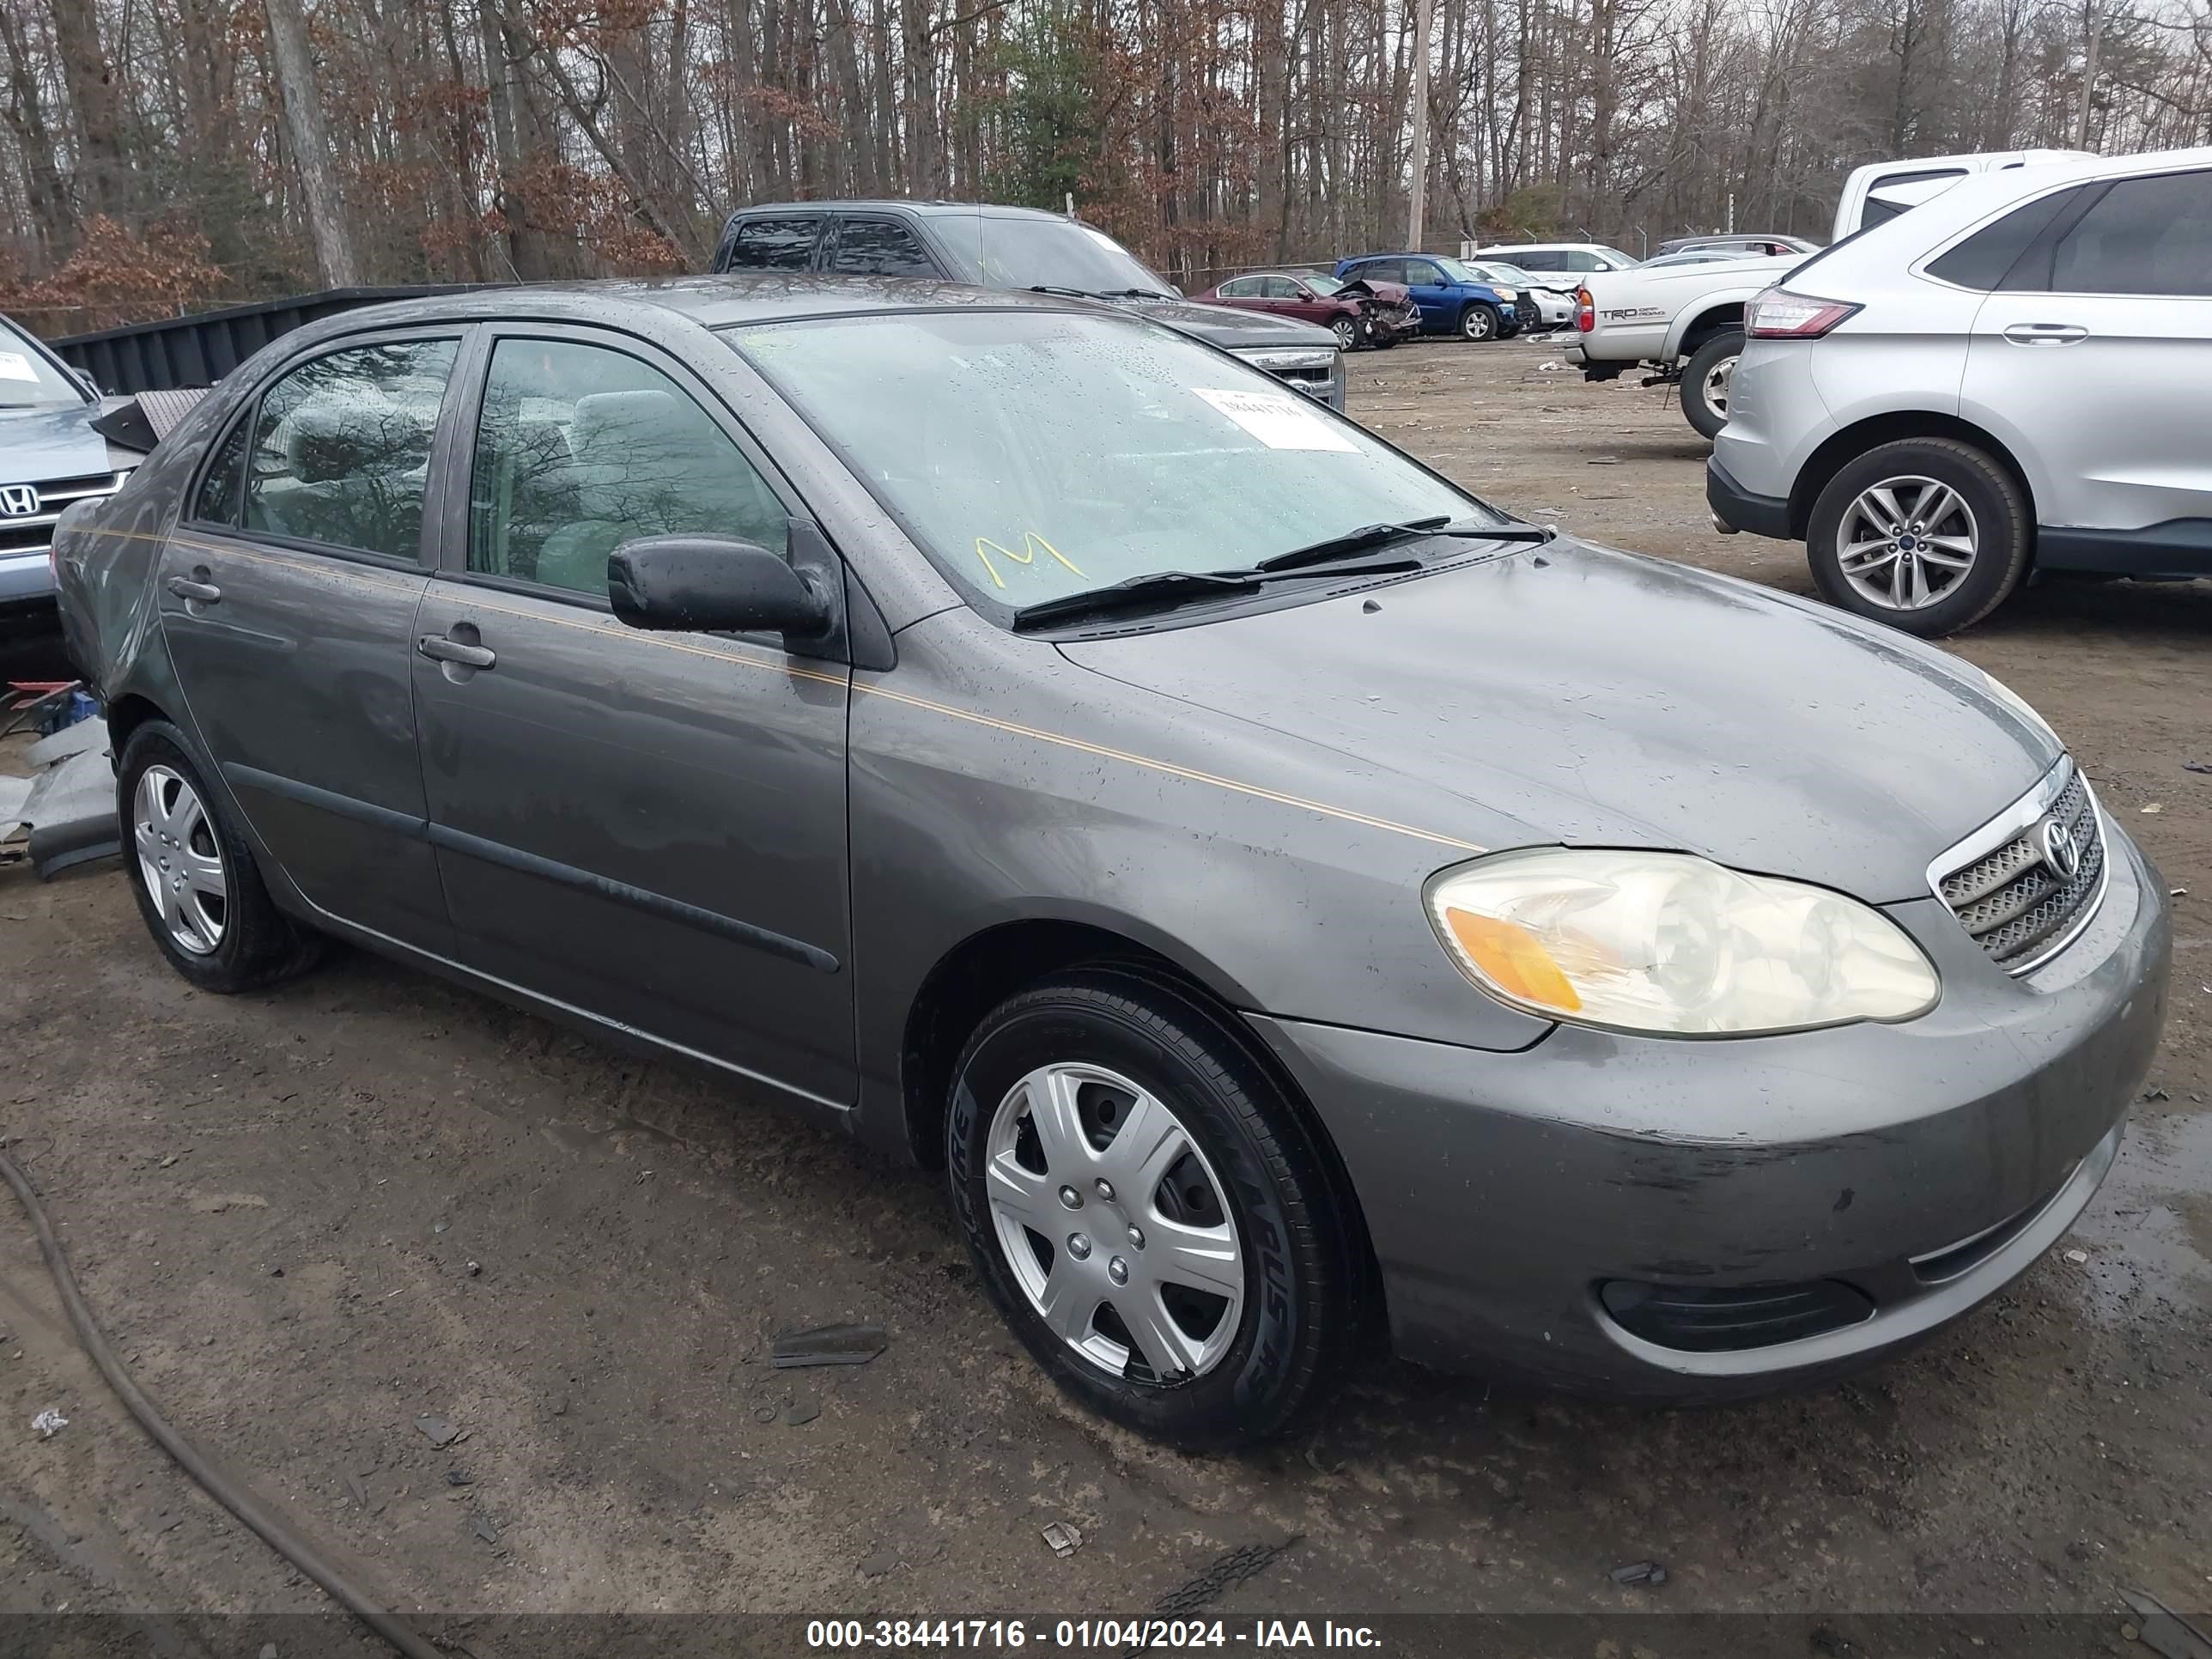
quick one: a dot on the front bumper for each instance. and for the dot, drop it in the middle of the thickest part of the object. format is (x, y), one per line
(1739, 509)
(1923, 1166)
(27, 581)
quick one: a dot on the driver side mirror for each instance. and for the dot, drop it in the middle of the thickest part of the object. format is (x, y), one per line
(714, 584)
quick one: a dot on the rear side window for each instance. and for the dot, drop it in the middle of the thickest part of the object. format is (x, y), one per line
(1986, 259)
(1893, 192)
(1378, 271)
(880, 247)
(773, 244)
(341, 448)
(1536, 258)
(2142, 236)
(1242, 287)
(223, 486)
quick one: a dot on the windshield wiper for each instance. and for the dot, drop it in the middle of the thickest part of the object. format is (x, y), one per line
(1379, 535)
(1168, 586)
(1159, 587)
(1054, 287)
(1135, 293)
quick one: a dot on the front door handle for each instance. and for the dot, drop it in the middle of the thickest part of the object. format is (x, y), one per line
(457, 652)
(201, 592)
(2046, 334)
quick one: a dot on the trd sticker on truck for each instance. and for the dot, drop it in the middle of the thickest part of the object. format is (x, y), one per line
(1631, 314)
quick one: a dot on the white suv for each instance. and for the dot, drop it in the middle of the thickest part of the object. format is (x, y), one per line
(2016, 375)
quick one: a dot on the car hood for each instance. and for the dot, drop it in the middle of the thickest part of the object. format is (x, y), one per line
(40, 444)
(1225, 326)
(1575, 695)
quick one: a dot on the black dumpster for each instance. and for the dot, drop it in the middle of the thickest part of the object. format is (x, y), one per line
(200, 349)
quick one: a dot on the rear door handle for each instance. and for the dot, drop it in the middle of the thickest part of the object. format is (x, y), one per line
(2046, 334)
(454, 651)
(185, 588)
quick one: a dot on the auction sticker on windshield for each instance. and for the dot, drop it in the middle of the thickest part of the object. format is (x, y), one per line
(1280, 420)
(14, 366)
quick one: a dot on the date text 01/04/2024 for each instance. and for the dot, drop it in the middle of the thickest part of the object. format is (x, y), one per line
(1140, 1634)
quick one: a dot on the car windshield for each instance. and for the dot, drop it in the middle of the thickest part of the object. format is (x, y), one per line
(1615, 253)
(1320, 284)
(29, 379)
(1458, 272)
(1010, 253)
(1038, 453)
(1509, 273)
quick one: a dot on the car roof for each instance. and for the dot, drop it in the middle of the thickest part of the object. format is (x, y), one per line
(930, 206)
(714, 301)
(1979, 194)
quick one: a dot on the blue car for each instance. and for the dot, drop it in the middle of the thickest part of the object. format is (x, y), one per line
(1451, 298)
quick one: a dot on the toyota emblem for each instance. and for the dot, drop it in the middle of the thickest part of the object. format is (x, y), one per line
(19, 501)
(2061, 851)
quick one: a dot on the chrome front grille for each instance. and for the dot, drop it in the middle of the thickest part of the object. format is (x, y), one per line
(2009, 883)
(30, 533)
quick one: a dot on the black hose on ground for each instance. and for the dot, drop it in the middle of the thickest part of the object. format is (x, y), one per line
(240, 1500)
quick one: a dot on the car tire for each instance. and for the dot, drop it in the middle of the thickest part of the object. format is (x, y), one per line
(1991, 519)
(1705, 381)
(1478, 322)
(1347, 330)
(216, 925)
(1103, 1052)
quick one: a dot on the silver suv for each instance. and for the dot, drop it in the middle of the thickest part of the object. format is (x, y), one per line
(2014, 376)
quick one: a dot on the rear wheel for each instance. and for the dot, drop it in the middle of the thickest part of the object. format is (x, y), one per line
(1705, 382)
(194, 877)
(1479, 321)
(1928, 535)
(1150, 1213)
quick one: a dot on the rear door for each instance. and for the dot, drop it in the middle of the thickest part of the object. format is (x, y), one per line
(649, 827)
(287, 595)
(2096, 351)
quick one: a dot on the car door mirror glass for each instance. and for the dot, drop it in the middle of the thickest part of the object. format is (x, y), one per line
(713, 584)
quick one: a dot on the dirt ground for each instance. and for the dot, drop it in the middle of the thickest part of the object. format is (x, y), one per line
(313, 1218)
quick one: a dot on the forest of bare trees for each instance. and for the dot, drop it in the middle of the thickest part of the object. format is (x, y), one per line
(167, 154)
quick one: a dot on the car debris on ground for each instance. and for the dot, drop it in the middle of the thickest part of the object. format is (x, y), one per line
(69, 800)
(1640, 1572)
(49, 1423)
(1065, 1539)
(830, 1344)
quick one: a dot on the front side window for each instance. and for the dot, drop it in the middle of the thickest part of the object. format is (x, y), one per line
(774, 244)
(1282, 287)
(880, 247)
(1088, 448)
(2142, 236)
(580, 448)
(29, 378)
(341, 448)
(1420, 270)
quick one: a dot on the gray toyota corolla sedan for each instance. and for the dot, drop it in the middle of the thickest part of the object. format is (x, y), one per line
(1288, 896)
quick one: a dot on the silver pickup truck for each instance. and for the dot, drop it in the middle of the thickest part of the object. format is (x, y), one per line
(50, 456)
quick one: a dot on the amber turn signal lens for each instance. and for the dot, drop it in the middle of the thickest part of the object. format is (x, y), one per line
(1512, 958)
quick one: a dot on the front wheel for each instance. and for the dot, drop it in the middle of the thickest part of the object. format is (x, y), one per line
(1706, 381)
(1479, 321)
(1347, 331)
(1150, 1213)
(1928, 535)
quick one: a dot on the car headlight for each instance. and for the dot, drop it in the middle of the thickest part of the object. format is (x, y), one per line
(1672, 944)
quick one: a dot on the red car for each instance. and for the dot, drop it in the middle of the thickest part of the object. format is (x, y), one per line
(1361, 313)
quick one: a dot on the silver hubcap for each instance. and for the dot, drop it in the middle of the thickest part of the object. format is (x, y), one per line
(1115, 1224)
(1906, 543)
(1477, 326)
(179, 860)
(1717, 384)
(1347, 331)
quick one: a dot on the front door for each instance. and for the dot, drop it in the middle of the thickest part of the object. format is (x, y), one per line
(647, 827)
(2098, 349)
(288, 593)
(1438, 302)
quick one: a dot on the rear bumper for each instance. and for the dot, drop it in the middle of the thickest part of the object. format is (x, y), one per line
(1739, 509)
(1920, 1167)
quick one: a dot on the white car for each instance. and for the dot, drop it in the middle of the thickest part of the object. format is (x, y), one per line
(1554, 294)
(2013, 377)
(1573, 260)
(1679, 321)
(1882, 190)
